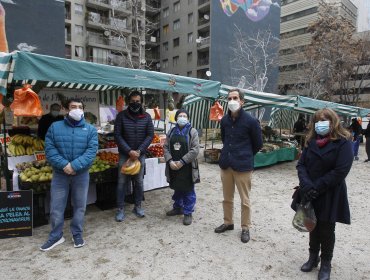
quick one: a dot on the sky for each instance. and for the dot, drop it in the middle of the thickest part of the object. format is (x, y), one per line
(363, 20)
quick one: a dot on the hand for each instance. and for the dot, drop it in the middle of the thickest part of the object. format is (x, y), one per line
(68, 169)
(179, 164)
(311, 194)
(134, 155)
(173, 165)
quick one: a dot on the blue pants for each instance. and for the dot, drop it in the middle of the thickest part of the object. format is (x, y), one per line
(61, 184)
(185, 200)
(124, 182)
(356, 145)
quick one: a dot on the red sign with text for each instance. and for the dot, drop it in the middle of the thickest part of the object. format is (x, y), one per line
(40, 155)
(7, 139)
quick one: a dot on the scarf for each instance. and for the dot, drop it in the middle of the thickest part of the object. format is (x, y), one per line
(322, 141)
(184, 131)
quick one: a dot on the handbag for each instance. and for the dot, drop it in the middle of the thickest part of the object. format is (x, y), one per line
(305, 219)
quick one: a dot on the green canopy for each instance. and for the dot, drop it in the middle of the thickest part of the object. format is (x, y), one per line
(33, 68)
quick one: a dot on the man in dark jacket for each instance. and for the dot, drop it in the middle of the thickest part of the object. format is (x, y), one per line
(356, 130)
(367, 138)
(133, 131)
(242, 139)
(47, 119)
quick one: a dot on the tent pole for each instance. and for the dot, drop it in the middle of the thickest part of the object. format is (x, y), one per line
(280, 121)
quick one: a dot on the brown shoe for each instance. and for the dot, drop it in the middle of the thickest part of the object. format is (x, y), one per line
(245, 236)
(222, 228)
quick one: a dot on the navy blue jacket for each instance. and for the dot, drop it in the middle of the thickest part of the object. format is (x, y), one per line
(325, 170)
(242, 139)
(133, 132)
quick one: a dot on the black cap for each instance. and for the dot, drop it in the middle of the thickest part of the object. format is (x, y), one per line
(181, 111)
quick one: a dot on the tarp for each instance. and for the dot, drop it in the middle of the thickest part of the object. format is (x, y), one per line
(59, 72)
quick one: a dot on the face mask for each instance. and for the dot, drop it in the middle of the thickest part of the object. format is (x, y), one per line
(322, 127)
(233, 105)
(54, 113)
(181, 121)
(134, 107)
(76, 114)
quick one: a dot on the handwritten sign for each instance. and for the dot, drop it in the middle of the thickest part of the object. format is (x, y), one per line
(40, 155)
(15, 214)
(7, 139)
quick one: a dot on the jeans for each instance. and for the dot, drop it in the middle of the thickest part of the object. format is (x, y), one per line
(124, 182)
(356, 145)
(185, 200)
(61, 184)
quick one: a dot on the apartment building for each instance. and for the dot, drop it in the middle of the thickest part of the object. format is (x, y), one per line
(296, 15)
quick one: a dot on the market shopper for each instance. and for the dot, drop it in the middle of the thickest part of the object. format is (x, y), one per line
(133, 131)
(322, 168)
(47, 119)
(70, 147)
(242, 139)
(356, 130)
(366, 133)
(180, 152)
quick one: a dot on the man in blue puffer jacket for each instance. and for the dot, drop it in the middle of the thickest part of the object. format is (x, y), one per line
(133, 131)
(70, 147)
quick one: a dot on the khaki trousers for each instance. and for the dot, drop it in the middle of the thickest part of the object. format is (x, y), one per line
(242, 180)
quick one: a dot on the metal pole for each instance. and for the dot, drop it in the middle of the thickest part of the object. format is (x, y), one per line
(6, 171)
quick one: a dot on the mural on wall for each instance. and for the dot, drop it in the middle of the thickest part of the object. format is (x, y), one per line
(34, 26)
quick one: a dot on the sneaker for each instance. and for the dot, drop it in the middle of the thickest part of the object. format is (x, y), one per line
(138, 211)
(78, 241)
(48, 245)
(245, 237)
(120, 215)
(175, 212)
(188, 219)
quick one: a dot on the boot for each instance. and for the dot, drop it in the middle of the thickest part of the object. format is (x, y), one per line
(312, 262)
(325, 269)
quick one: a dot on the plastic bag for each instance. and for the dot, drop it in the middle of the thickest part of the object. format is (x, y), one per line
(26, 103)
(305, 219)
(131, 167)
(120, 103)
(157, 114)
(216, 112)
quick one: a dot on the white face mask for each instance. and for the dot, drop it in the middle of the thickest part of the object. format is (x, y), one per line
(233, 105)
(76, 114)
(181, 121)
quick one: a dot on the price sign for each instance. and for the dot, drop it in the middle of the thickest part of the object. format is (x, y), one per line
(40, 155)
(7, 139)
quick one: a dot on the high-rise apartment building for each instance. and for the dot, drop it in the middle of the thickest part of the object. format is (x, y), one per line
(296, 15)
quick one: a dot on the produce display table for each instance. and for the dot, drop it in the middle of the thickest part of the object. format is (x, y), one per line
(270, 158)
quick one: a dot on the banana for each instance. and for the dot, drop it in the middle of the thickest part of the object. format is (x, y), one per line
(21, 150)
(11, 148)
(137, 168)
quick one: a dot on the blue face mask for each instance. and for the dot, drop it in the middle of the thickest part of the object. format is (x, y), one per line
(322, 127)
(181, 121)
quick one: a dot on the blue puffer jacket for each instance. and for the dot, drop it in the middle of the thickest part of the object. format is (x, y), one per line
(133, 132)
(66, 143)
(242, 139)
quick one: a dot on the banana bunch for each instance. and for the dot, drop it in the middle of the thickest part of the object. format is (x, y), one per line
(21, 145)
(17, 149)
(38, 144)
(131, 168)
(21, 139)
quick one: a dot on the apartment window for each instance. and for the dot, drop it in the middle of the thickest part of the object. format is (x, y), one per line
(299, 14)
(79, 29)
(176, 42)
(189, 73)
(165, 63)
(175, 60)
(79, 52)
(166, 29)
(176, 6)
(67, 51)
(190, 18)
(165, 46)
(293, 33)
(79, 9)
(166, 12)
(285, 2)
(190, 38)
(190, 56)
(176, 25)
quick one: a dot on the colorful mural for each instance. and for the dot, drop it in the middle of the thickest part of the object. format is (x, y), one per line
(255, 10)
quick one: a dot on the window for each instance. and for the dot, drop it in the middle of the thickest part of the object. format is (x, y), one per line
(190, 38)
(176, 6)
(175, 60)
(176, 25)
(165, 64)
(79, 52)
(79, 9)
(190, 18)
(166, 12)
(67, 51)
(166, 29)
(79, 29)
(299, 14)
(165, 46)
(189, 73)
(190, 56)
(176, 42)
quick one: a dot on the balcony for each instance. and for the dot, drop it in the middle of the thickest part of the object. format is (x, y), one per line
(202, 2)
(68, 37)
(113, 43)
(95, 20)
(151, 56)
(98, 4)
(67, 15)
(203, 42)
(151, 40)
(203, 61)
(152, 9)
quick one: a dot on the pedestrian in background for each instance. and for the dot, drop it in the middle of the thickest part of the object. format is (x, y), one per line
(47, 119)
(242, 139)
(70, 148)
(366, 133)
(356, 130)
(322, 168)
(133, 131)
(180, 152)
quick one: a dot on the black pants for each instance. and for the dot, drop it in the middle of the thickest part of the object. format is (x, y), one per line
(367, 147)
(323, 236)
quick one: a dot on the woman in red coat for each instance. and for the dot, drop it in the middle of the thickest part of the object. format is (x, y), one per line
(322, 168)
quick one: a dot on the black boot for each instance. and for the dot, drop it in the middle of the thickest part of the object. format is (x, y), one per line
(312, 262)
(325, 269)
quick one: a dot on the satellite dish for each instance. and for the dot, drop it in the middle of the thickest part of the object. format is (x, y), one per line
(206, 17)
(208, 73)
(143, 61)
(198, 40)
(142, 43)
(106, 33)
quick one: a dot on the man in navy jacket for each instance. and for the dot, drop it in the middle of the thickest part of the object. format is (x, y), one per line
(133, 131)
(242, 139)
